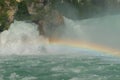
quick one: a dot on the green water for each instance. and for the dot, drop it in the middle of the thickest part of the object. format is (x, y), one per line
(59, 67)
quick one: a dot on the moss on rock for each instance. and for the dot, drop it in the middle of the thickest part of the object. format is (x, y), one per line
(22, 12)
(43, 10)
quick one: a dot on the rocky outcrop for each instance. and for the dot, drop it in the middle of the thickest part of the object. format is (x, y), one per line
(46, 15)
(7, 11)
(52, 21)
(43, 14)
(40, 12)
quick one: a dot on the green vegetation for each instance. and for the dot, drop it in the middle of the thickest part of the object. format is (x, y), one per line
(86, 9)
(2, 3)
(22, 12)
(3, 22)
(3, 16)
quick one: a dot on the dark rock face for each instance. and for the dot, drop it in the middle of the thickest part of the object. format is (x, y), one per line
(22, 11)
(37, 11)
(44, 13)
(7, 10)
(52, 22)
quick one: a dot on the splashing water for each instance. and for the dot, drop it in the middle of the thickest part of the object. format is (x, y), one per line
(21, 38)
(72, 31)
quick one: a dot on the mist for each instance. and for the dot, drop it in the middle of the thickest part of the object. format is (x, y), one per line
(66, 40)
(101, 29)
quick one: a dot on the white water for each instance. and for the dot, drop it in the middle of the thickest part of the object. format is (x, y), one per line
(23, 38)
(72, 31)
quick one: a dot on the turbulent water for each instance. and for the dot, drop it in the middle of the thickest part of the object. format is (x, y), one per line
(21, 38)
(59, 67)
(25, 55)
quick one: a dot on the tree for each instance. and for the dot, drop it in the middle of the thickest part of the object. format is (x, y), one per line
(22, 12)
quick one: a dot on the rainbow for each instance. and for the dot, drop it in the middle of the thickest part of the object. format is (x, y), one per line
(86, 45)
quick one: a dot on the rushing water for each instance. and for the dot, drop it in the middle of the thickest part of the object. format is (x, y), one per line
(59, 67)
(21, 38)
(27, 56)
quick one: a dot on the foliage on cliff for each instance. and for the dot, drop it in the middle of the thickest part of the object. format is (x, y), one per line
(6, 6)
(22, 12)
(36, 10)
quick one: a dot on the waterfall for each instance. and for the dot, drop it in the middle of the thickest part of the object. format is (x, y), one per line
(72, 30)
(21, 38)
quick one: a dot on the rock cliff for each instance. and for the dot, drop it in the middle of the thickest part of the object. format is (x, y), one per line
(46, 13)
